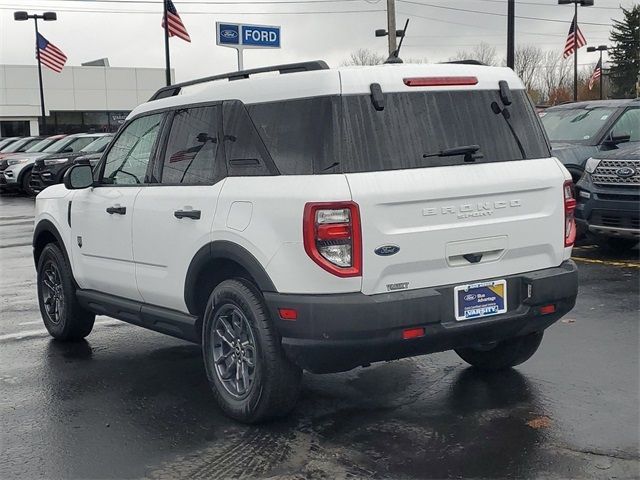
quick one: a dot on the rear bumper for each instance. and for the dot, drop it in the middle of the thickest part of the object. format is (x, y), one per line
(338, 332)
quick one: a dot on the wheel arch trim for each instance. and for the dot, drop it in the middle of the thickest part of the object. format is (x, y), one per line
(223, 250)
(48, 227)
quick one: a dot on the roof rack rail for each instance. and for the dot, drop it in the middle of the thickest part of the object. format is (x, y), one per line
(466, 62)
(173, 90)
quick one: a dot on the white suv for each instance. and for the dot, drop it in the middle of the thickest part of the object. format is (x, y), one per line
(301, 217)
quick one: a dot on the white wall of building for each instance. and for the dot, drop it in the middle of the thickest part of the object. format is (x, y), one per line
(74, 89)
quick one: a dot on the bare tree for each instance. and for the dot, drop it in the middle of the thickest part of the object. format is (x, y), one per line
(483, 52)
(554, 76)
(364, 56)
(527, 62)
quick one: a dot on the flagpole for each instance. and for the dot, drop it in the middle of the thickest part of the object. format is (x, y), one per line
(575, 53)
(167, 57)
(42, 109)
(601, 75)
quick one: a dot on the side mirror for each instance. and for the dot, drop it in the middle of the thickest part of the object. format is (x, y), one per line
(614, 138)
(78, 177)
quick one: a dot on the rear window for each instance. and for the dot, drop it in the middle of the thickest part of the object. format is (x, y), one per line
(347, 134)
(418, 123)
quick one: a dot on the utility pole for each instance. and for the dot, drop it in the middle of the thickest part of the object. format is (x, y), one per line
(391, 25)
(47, 17)
(511, 20)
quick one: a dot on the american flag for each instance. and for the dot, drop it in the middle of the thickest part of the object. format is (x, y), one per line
(575, 39)
(596, 74)
(176, 27)
(50, 55)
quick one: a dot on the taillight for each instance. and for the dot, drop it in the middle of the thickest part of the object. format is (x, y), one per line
(569, 214)
(332, 237)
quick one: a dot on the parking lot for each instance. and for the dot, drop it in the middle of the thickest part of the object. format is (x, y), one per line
(131, 403)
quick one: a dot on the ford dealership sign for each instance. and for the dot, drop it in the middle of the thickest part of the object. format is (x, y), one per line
(240, 36)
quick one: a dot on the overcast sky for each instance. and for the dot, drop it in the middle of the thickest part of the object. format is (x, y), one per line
(311, 29)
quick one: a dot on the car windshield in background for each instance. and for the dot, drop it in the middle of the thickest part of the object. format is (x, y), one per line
(56, 146)
(19, 145)
(575, 124)
(41, 145)
(98, 145)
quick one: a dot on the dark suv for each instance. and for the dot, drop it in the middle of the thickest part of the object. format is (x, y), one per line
(580, 130)
(50, 170)
(609, 198)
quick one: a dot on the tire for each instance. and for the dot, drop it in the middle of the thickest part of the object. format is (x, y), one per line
(270, 387)
(617, 245)
(505, 354)
(63, 316)
(26, 187)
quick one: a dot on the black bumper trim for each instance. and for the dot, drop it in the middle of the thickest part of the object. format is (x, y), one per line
(338, 332)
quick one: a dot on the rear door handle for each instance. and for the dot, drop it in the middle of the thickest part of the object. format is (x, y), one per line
(194, 214)
(117, 209)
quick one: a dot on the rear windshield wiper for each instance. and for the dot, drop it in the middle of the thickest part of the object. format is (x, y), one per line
(470, 153)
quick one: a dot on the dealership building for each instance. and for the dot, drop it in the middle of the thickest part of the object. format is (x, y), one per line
(89, 98)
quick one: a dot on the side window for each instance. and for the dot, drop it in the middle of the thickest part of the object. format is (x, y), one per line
(127, 161)
(629, 122)
(246, 155)
(192, 146)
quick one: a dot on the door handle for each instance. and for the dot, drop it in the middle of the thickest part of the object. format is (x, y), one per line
(119, 210)
(194, 214)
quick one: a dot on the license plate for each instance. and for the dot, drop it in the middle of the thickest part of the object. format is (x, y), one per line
(478, 300)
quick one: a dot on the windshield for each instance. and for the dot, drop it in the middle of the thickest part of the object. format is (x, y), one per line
(56, 146)
(575, 124)
(98, 145)
(4, 143)
(38, 147)
(20, 145)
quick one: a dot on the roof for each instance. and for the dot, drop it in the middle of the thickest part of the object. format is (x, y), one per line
(272, 86)
(615, 103)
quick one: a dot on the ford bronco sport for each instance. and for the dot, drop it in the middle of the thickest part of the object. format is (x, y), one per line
(301, 217)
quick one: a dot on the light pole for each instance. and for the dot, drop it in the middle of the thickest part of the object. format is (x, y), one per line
(47, 17)
(599, 48)
(511, 20)
(583, 3)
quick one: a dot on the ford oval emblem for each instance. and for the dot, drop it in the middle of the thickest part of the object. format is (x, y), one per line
(625, 172)
(229, 33)
(386, 250)
(470, 297)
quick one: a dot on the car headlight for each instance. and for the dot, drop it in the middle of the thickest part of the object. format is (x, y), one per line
(55, 161)
(591, 165)
(16, 161)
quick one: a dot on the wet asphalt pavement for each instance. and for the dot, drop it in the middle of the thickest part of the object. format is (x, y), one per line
(132, 403)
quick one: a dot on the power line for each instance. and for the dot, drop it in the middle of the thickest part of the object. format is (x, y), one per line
(213, 2)
(480, 12)
(192, 12)
(542, 4)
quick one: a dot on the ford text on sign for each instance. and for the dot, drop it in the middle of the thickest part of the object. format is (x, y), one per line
(260, 36)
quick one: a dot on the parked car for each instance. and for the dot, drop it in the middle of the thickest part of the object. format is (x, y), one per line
(318, 219)
(609, 198)
(17, 174)
(19, 146)
(50, 170)
(580, 130)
